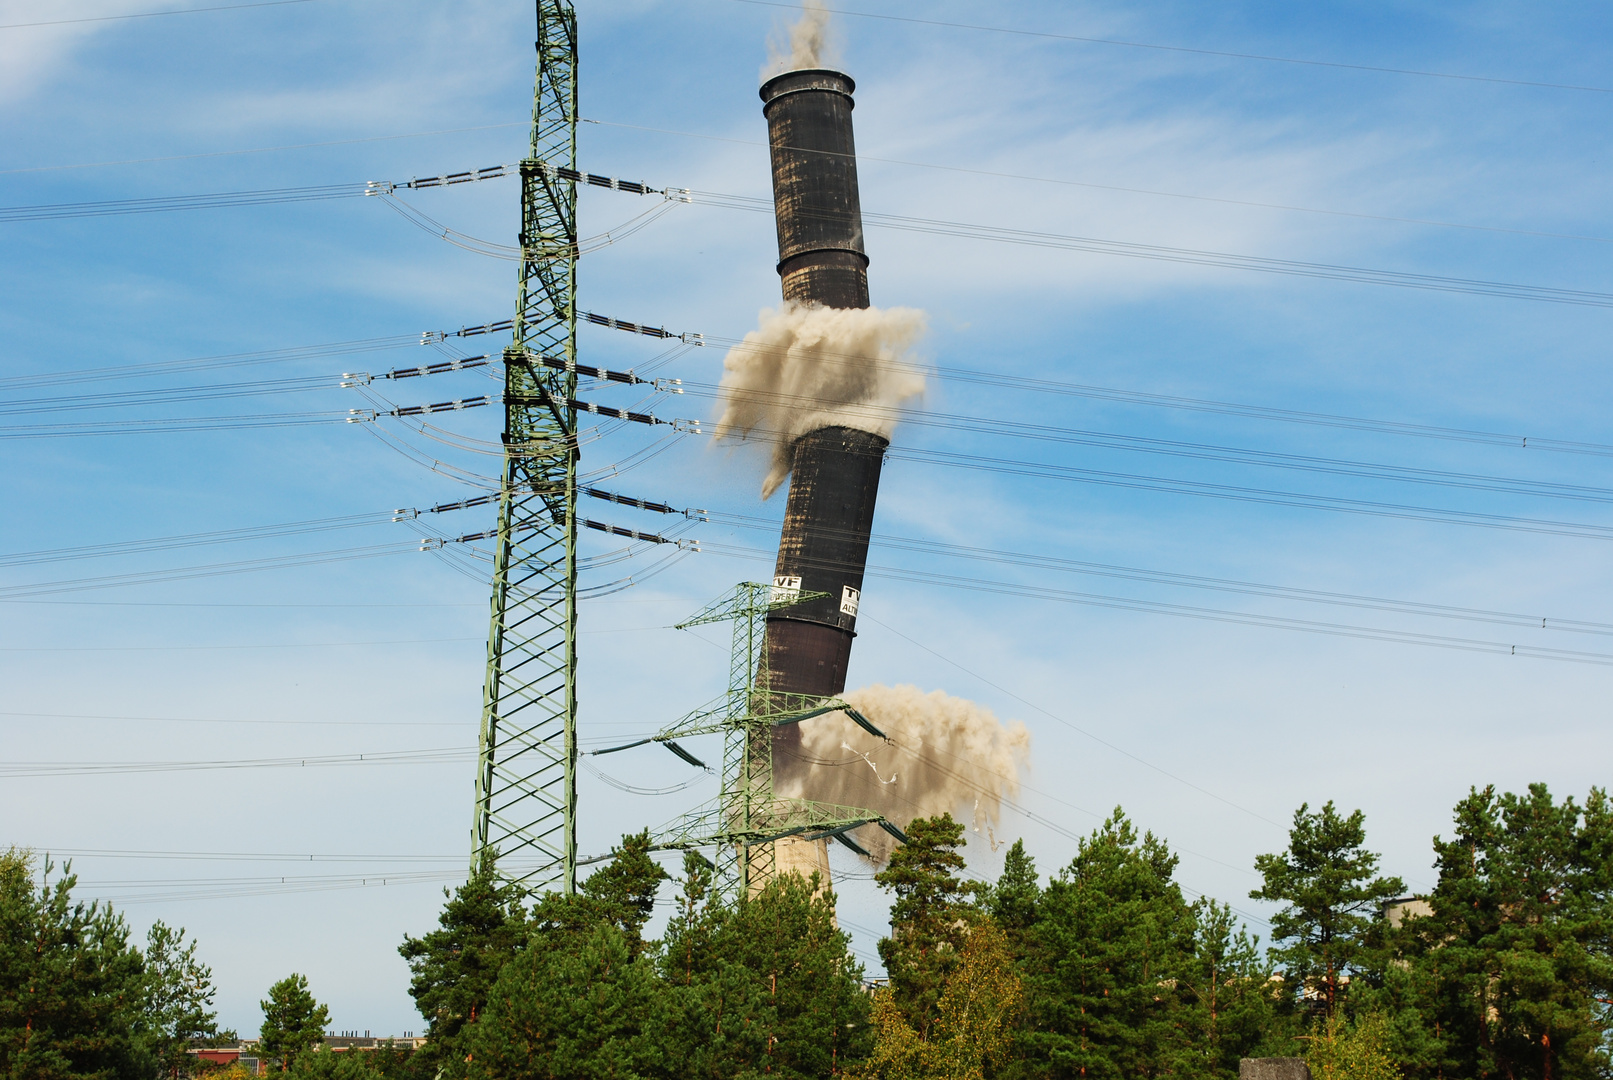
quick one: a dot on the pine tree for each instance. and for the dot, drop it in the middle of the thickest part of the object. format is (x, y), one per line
(177, 1011)
(623, 890)
(1012, 901)
(452, 969)
(1230, 1009)
(767, 985)
(575, 1006)
(1108, 950)
(1515, 961)
(930, 916)
(1334, 900)
(71, 987)
(293, 1022)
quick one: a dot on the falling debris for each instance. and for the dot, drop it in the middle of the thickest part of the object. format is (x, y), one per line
(807, 367)
(945, 755)
(807, 44)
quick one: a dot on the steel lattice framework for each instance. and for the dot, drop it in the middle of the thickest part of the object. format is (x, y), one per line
(748, 817)
(526, 791)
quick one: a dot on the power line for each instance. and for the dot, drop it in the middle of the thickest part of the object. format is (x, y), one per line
(261, 149)
(1264, 496)
(202, 539)
(202, 363)
(267, 196)
(1040, 591)
(1023, 429)
(237, 856)
(222, 720)
(210, 648)
(977, 555)
(1194, 51)
(156, 14)
(1238, 493)
(1207, 405)
(109, 768)
(162, 204)
(999, 175)
(1195, 257)
(1080, 730)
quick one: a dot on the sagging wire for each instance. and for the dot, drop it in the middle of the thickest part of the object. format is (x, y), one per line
(631, 790)
(586, 246)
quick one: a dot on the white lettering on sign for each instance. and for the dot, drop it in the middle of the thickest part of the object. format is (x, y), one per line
(849, 599)
(785, 587)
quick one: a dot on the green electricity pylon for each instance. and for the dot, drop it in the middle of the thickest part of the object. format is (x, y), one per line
(526, 791)
(748, 817)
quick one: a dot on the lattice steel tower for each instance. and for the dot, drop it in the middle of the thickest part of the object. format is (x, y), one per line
(526, 790)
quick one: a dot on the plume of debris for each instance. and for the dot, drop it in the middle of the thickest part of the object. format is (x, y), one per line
(806, 44)
(807, 367)
(945, 754)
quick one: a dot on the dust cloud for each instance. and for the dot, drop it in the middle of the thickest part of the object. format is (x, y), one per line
(807, 367)
(807, 44)
(945, 755)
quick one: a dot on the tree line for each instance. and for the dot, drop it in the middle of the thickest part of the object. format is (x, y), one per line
(1103, 969)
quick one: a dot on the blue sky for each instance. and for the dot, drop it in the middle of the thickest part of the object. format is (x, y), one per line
(1208, 732)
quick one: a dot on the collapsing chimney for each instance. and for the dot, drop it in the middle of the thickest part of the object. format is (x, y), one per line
(835, 470)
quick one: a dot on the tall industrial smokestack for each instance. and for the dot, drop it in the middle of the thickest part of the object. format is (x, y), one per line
(835, 470)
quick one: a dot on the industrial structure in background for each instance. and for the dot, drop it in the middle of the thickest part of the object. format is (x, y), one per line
(834, 475)
(792, 639)
(526, 769)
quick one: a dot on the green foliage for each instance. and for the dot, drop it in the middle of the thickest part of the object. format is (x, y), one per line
(293, 1022)
(974, 1023)
(1012, 901)
(1106, 956)
(1327, 880)
(385, 1062)
(765, 986)
(178, 1011)
(452, 969)
(571, 1006)
(623, 890)
(930, 916)
(72, 989)
(1514, 969)
(1359, 1050)
(1230, 1003)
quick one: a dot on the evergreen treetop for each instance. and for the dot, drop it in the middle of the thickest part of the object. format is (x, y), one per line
(1328, 881)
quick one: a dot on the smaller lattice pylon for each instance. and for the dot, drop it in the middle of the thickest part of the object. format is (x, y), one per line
(747, 818)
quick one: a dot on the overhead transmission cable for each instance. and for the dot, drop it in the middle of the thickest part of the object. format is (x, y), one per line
(155, 14)
(1266, 58)
(1040, 591)
(263, 197)
(1195, 257)
(1169, 401)
(976, 556)
(1000, 175)
(1021, 429)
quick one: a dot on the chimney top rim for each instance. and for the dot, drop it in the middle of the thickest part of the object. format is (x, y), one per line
(769, 89)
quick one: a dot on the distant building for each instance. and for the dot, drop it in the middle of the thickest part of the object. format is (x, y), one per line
(1399, 910)
(244, 1053)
